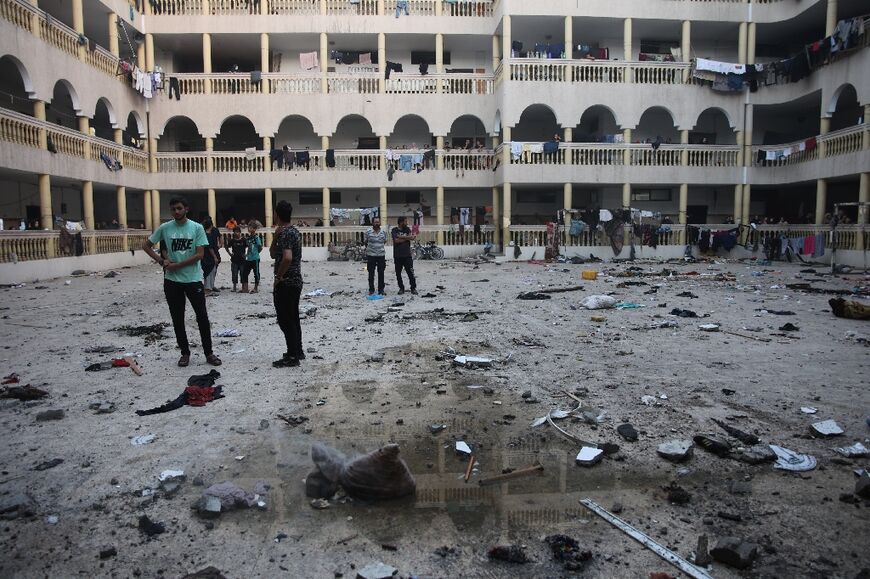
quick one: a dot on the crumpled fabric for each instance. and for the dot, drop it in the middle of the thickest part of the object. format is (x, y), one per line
(379, 475)
(233, 496)
(204, 379)
(599, 302)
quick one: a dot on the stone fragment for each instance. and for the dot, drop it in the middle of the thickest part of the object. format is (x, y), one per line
(589, 456)
(826, 428)
(208, 506)
(676, 450)
(107, 552)
(376, 570)
(16, 504)
(627, 432)
(48, 464)
(47, 415)
(149, 527)
(862, 486)
(734, 552)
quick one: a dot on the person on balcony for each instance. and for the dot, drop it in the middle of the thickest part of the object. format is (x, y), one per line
(375, 240)
(185, 243)
(402, 256)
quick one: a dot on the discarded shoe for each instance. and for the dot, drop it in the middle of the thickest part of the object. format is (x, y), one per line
(713, 445)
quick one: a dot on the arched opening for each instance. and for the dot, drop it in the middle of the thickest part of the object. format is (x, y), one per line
(104, 119)
(656, 124)
(354, 132)
(537, 123)
(847, 111)
(411, 132)
(133, 132)
(14, 86)
(467, 129)
(64, 105)
(296, 132)
(180, 135)
(712, 128)
(237, 134)
(597, 125)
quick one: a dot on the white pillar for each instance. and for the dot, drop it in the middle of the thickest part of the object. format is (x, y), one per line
(821, 200)
(212, 206)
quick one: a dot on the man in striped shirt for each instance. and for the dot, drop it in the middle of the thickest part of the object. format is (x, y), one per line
(375, 240)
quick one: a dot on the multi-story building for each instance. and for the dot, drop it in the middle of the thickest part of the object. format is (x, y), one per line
(705, 111)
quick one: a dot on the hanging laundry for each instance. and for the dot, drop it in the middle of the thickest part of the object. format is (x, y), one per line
(308, 60)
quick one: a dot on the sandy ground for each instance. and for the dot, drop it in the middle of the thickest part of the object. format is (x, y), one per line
(357, 405)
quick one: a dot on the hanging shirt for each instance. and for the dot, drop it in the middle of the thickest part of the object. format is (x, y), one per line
(181, 242)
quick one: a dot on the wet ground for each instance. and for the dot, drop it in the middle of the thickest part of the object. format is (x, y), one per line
(540, 348)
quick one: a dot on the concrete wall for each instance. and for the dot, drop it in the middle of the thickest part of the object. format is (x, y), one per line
(31, 271)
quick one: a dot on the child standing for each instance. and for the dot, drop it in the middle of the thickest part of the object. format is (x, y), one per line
(252, 259)
(238, 249)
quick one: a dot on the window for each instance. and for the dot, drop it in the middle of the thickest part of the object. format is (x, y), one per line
(651, 195)
(316, 198)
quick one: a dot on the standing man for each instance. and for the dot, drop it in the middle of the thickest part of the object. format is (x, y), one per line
(185, 243)
(375, 240)
(211, 257)
(286, 250)
(402, 238)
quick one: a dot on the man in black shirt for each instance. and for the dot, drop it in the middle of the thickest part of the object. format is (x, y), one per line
(238, 246)
(402, 239)
(286, 250)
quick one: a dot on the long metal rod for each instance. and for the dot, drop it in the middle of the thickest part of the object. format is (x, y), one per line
(664, 553)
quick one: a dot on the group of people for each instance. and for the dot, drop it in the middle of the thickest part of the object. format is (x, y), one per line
(189, 254)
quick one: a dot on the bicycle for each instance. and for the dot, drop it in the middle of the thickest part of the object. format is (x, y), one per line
(354, 252)
(428, 251)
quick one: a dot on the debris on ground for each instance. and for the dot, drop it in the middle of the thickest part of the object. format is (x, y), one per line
(509, 553)
(230, 496)
(149, 527)
(598, 302)
(849, 309)
(378, 475)
(567, 550)
(677, 495)
(675, 450)
(737, 433)
(589, 456)
(376, 570)
(735, 553)
(826, 428)
(48, 415)
(627, 431)
(713, 445)
(513, 474)
(857, 450)
(789, 460)
(151, 333)
(23, 393)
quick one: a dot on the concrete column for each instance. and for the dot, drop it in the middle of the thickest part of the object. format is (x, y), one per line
(149, 52)
(831, 17)
(626, 155)
(496, 216)
(152, 154)
(495, 142)
(34, 20)
(323, 7)
(747, 135)
(267, 206)
(85, 129)
(686, 45)
(121, 197)
(39, 114)
(264, 47)
(324, 59)
(738, 203)
(382, 145)
(741, 43)
(206, 7)
(326, 205)
(209, 160)
(506, 215)
(324, 142)
(140, 55)
(506, 36)
(382, 62)
(821, 200)
(155, 208)
(439, 158)
(264, 8)
(747, 201)
(567, 195)
(78, 24)
(439, 212)
(738, 136)
(212, 206)
(496, 51)
(88, 207)
(569, 37)
(118, 136)
(626, 39)
(206, 59)
(750, 43)
(383, 206)
(439, 57)
(267, 147)
(113, 34)
(684, 202)
(506, 150)
(149, 225)
(381, 8)
(824, 129)
(439, 8)
(568, 134)
(684, 154)
(146, 8)
(863, 210)
(46, 219)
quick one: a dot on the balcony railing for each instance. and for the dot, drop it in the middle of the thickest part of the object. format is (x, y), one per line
(18, 246)
(24, 130)
(842, 142)
(641, 155)
(461, 8)
(54, 32)
(362, 83)
(603, 71)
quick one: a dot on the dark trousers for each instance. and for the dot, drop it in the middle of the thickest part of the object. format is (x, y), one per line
(173, 86)
(287, 309)
(248, 267)
(176, 293)
(235, 269)
(406, 263)
(381, 264)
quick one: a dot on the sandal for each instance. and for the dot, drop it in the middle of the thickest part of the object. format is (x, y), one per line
(213, 360)
(184, 361)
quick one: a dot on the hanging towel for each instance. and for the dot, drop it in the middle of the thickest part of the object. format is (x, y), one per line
(516, 150)
(365, 58)
(308, 60)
